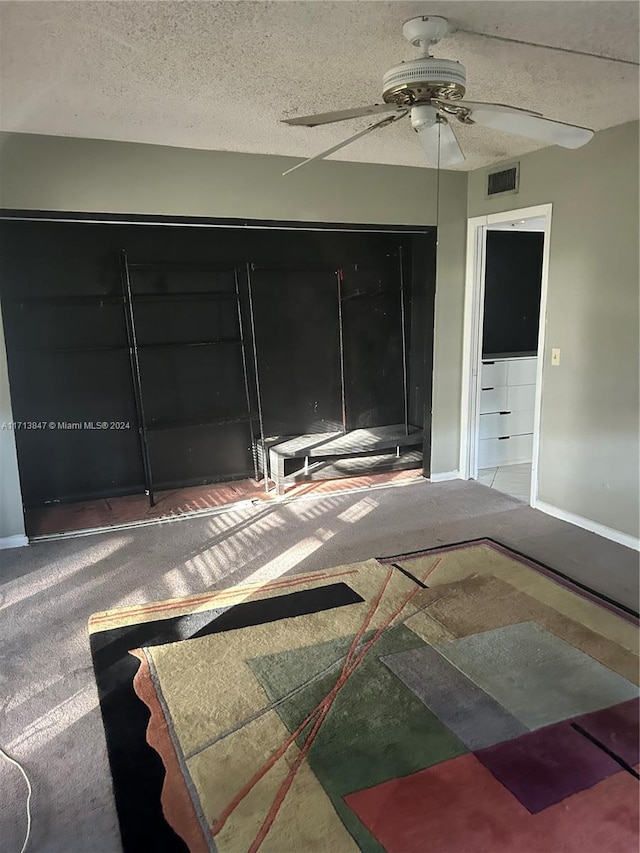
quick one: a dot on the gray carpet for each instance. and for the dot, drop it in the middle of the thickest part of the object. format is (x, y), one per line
(49, 716)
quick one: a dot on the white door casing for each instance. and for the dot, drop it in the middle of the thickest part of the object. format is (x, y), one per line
(477, 227)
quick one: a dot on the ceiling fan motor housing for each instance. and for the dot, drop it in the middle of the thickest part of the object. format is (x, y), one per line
(419, 80)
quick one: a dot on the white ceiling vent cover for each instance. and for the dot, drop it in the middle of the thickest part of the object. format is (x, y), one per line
(503, 181)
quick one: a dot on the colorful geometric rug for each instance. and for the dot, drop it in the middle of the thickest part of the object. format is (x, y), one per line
(461, 699)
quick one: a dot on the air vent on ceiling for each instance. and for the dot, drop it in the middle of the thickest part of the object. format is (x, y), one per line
(506, 180)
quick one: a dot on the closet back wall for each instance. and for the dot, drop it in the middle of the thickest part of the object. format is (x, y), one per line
(68, 351)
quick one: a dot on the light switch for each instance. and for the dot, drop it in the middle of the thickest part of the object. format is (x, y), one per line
(555, 355)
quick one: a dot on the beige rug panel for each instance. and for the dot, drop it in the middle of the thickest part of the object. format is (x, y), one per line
(482, 559)
(482, 602)
(186, 681)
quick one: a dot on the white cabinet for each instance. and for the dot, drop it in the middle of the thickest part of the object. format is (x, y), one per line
(494, 374)
(520, 397)
(507, 400)
(493, 400)
(500, 424)
(509, 450)
(521, 371)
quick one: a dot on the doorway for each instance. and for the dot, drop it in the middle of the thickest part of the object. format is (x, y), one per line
(507, 271)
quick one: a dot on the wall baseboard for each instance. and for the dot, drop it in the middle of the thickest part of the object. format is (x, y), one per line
(13, 541)
(445, 475)
(587, 524)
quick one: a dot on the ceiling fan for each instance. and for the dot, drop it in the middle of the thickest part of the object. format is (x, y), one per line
(430, 90)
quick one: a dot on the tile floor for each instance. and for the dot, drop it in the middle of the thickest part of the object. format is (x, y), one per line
(512, 480)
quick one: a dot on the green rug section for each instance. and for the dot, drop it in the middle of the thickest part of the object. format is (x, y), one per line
(376, 730)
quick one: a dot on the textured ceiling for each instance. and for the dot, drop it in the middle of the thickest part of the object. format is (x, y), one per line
(220, 75)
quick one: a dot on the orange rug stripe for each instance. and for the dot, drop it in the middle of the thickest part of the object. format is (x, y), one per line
(214, 596)
(226, 813)
(322, 709)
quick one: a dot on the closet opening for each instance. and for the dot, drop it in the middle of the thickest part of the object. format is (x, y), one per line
(167, 367)
(504, 340)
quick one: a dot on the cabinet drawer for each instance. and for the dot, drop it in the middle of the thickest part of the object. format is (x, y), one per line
(493, 374)
(509, 423)
(520, 398)
(493, 452)
(494, 400)
(522, 371)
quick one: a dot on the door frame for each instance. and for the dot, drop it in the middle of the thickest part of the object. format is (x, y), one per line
(477, 228)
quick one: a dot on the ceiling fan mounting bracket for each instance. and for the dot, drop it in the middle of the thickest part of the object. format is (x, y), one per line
(425, 31)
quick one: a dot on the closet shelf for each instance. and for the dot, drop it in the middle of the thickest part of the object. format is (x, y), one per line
(171, 345)
(215, 295)
(45, 350)
(159, 426)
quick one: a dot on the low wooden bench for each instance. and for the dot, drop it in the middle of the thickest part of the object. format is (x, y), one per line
(335, 445)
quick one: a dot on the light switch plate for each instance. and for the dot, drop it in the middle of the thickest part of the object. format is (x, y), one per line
(555, 355)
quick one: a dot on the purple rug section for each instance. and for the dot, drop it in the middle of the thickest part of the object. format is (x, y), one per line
(617, 728)
(548, 765)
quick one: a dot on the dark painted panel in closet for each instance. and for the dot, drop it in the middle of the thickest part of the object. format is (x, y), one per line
(62, 300)
(373, 350)
(420, 272)
(298, 344)
(512, 292)
(73, 462)
(191, 455)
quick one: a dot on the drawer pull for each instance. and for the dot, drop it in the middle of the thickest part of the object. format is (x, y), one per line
(504, 437)
(488, 389)
(504, 413)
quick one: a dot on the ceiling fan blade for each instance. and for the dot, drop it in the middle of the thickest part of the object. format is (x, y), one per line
(451, 106)
(341, 115)
(359, 135)
(441, 136)
(534, 126)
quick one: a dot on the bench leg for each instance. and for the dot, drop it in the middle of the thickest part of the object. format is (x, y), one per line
(277, 473)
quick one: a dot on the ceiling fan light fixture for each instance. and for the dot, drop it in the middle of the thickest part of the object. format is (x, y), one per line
(423, 116)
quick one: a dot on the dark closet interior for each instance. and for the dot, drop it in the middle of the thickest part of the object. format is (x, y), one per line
(163, 353)
(512, 293)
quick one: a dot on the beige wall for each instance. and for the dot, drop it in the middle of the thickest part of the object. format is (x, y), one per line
(67, 174)
(589, 453)
(589, 439)
(449, 325)
(11, 518)
(60, 173)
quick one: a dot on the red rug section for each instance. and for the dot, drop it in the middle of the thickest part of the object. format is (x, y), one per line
(459, 806)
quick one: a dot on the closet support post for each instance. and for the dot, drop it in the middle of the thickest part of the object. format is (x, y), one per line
(343, 390)
(134, 361)
(246, 378)
(405, 379)
(265, 461)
